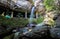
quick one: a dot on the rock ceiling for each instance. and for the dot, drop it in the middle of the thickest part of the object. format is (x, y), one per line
(20, 5)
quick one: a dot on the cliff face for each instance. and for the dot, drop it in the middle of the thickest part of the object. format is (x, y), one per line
(18, 5)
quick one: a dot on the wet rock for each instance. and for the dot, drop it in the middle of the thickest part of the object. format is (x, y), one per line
(58, 21)
(5, 31)
(55, 32)
(38, 31)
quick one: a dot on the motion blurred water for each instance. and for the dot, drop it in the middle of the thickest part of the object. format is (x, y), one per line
(32, 15)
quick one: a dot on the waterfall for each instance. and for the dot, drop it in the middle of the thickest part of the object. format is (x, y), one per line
(32, 15)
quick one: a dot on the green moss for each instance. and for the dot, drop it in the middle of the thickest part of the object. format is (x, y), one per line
(21, 22)
(38, 20)
(49, 4)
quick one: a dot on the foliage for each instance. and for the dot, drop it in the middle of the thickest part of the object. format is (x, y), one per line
(49, 4)
(21, 22)
(38, 20)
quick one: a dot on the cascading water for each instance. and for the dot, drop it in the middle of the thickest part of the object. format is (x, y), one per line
(32, 15)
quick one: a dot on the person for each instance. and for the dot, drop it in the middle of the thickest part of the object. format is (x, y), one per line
(7, 16)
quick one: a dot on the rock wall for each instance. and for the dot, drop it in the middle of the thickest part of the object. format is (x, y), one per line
(19, 5)
(24, 5)
(40, 8)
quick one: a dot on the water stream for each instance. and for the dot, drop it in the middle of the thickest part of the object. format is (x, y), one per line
(32, 15)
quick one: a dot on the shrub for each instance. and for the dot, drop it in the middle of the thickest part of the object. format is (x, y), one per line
(38, 20)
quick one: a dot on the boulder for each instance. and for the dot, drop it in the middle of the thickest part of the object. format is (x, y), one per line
(20, 5)
(40, 9)
(23, 5)
(55, 33)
